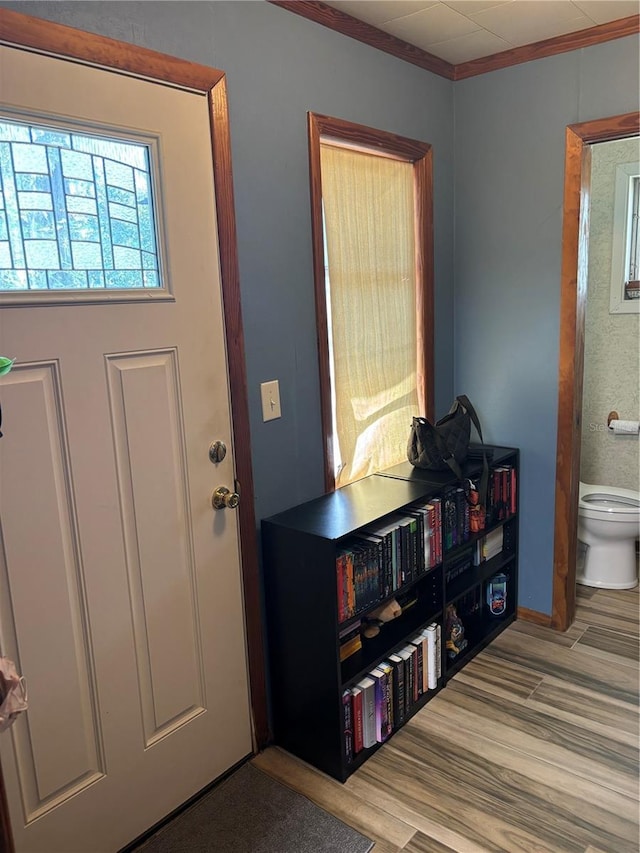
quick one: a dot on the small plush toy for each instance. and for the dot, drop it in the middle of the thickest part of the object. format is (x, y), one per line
(372, 623)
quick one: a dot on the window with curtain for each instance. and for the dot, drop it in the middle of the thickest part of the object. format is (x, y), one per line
(371, 200)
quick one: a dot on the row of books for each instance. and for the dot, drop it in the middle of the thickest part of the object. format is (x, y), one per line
(382, 558)
(501, 493)
(385, 698)
(500, 504)
(489, 546)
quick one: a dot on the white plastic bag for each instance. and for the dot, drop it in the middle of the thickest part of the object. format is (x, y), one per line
(13, 694)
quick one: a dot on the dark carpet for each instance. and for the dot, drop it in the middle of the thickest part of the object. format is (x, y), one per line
(252, 813)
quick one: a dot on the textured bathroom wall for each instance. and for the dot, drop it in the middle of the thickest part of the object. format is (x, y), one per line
(612, 341)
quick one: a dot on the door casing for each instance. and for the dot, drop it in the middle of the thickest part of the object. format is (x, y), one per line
(573, 298)
(35, 34)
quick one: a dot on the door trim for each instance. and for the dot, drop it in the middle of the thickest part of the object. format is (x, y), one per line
(34, 34)
(573, 297)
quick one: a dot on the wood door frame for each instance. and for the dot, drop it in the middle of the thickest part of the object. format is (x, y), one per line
(573, 298)
(26, 32)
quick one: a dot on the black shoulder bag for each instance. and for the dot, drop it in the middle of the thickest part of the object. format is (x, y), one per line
(445, 445)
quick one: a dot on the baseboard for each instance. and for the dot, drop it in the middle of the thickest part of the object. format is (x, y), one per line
(534, 616)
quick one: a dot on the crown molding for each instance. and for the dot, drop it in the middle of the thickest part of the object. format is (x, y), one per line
(549, 47)
(343, 23)
(339, 21)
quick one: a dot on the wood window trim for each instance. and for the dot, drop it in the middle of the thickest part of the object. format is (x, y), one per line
(573, 298)
(30, 33)
(323, 128)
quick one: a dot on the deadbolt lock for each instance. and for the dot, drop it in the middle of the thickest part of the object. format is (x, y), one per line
(217, 451)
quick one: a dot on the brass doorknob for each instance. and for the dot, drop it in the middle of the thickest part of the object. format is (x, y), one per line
(222, 498)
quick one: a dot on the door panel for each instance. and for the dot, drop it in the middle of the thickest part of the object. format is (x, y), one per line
(120, 584)
(143, 389)
(49, 629)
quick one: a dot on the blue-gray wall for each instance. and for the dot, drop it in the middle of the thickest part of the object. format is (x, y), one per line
(508, 135)
(509, 172)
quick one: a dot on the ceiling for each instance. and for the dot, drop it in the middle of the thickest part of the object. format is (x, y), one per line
(458, 31)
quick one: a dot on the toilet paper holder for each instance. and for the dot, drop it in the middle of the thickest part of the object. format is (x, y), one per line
(621, 427)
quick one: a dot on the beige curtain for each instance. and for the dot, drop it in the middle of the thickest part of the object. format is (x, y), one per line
(369, 215)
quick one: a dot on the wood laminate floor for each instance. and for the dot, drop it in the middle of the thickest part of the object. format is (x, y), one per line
(533, 747)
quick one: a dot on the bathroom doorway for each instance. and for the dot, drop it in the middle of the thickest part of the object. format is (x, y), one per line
(578, 155)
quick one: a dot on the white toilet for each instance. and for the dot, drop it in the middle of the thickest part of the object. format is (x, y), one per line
(608, 527)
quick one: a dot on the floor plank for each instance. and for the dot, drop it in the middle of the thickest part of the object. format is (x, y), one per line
(602, 714)
(615, 612)
(500, 677)
(428, 822)
(609, 645)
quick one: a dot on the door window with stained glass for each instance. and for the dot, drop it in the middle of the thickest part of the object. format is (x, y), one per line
(76, 211)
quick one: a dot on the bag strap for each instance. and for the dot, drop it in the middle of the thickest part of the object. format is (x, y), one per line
(465, 402)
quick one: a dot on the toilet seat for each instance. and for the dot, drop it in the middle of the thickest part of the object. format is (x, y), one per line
(598, 500)
(610, 503)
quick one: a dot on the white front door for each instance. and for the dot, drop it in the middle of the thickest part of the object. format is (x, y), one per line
(120, 585)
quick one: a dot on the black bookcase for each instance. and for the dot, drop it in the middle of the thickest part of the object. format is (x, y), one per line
(300, 546)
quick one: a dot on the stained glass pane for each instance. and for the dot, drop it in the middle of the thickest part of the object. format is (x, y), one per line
(33, 183)
(29, 158)
(34, 201)
(38, 224)
(81, 205)
(76, 165)
(41, 254)
(83, 227)
(76, 211)
(38, 280)
(86, 256)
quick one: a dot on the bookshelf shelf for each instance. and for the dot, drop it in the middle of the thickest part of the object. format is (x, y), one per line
(317, 604)
(477, 574)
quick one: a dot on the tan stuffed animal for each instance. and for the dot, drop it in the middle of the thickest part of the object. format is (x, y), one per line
(373, 621)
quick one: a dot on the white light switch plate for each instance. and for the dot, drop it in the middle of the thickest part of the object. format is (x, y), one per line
(270, 394)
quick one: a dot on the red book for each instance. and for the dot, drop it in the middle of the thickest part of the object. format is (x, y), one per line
(505, 492)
